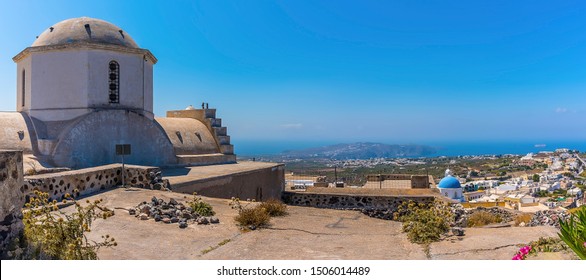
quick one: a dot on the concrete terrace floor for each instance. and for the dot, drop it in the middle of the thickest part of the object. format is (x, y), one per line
(306, 233)
(187, 175)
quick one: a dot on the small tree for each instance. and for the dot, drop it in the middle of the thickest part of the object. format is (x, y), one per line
(53, 234)
(536, 178)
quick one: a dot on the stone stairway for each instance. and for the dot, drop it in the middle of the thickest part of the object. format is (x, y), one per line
(220, 132)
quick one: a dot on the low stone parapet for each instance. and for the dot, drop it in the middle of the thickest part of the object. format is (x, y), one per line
(90, 180)
(352, 201)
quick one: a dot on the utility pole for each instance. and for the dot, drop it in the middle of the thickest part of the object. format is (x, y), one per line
(380, 179)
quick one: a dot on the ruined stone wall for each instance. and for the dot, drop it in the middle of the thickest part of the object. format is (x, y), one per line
(420, 181)
(11, 199)
(416, 181)
(90, 180)
(350, 201)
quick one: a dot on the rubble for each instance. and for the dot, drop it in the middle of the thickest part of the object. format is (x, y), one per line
(169, 213)
(548, 218)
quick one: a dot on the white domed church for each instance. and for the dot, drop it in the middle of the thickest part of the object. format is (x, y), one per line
(85, 85)
(450, 187)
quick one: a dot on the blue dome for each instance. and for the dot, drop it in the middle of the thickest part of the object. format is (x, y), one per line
(449, 182)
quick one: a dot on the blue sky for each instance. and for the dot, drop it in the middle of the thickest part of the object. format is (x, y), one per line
(390, 71)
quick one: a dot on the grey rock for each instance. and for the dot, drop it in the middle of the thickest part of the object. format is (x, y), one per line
(131, 211)
(158, 218)
(214, 220)
(186, 215)
(182, 224)
(143, 216)
(202, 221)
(145, 209)
(174, 219)
(458, 231)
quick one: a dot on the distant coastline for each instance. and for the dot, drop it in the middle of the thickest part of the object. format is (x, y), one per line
(444, 148)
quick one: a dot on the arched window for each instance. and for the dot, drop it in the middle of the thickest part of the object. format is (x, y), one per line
(114, 82)
(23, 87)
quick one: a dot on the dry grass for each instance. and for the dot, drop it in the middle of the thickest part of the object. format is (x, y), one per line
(523, 218)
(274, 207)
(253, 217)
(482, 218)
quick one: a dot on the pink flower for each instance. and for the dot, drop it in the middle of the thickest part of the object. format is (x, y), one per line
(517, 257)
(525, 250)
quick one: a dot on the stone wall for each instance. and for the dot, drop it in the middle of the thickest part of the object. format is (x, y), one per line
(260, 184)
(11, 199)
(350, 201)
(415, 181)
(90, 180)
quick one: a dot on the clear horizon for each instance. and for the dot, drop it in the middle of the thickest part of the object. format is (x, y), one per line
(405, 72)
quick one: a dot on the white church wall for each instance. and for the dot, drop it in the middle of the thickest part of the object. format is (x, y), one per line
(25, 65)
(148, 89)
(51, 97)
(132, 91)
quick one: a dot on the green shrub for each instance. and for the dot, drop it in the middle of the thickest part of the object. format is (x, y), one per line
(274, 207)
(424, 223)
(482, 218)
(53, 234)
(201, 207)
(573, 232)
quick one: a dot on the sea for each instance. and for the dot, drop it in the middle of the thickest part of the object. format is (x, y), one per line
(444, 148)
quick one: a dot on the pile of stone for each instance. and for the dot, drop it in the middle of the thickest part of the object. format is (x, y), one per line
(157, 182)
(461, 215)
(548, 218)
(169, 213)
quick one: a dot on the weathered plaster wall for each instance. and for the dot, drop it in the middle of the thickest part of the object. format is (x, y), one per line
(11, 198)
(350, 201)
(90, 180)
(189, 136)
(11, 138)
(92, 140)
(259, 184)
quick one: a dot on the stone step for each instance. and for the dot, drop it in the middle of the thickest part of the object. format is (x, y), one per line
(216, 122)
(220, 131)
(195, 160)
(224, 140)
(210, 113)
(227, 149)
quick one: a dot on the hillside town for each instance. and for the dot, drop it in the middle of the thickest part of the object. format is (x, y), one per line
(534, 182)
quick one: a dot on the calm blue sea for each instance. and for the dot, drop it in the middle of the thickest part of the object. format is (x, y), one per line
(258, 148)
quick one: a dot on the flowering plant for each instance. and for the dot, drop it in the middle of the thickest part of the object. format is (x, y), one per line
(523, 252)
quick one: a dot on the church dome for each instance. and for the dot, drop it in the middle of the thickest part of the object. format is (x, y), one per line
(449, 182)
(86, 30)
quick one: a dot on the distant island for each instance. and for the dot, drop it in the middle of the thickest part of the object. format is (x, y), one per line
(362, 150)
